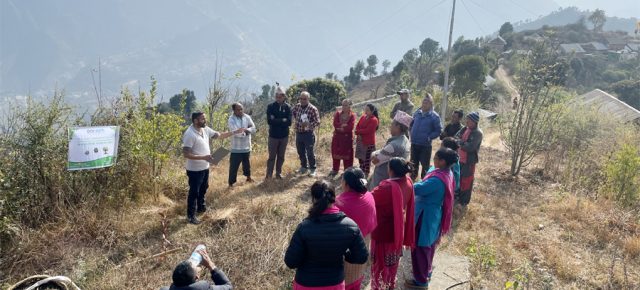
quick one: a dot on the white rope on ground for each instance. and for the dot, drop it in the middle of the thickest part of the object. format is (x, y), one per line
(61, 281)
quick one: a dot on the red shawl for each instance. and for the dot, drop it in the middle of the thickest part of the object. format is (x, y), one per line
(446, 177)
(402, 226)
(361, 208)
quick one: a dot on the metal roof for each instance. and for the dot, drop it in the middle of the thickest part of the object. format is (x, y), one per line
(610, 105)
(571, 47)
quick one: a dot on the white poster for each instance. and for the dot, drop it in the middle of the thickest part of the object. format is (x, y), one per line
(93, 147)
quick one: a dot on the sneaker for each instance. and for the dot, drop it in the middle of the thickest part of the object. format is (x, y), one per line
(302, 171)
(249, 179)
(312, 173)
(412, 284)
(333, 173)
(202, 209)
(194, 221)
(278, 176)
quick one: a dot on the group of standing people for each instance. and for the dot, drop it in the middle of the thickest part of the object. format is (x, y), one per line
(376, 217)
(378, 213)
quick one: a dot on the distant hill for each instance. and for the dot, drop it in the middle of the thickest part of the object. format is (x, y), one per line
(573, 14)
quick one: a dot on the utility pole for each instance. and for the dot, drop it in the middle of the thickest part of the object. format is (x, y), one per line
(443, 114)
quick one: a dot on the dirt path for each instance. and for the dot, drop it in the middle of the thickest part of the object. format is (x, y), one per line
(501, 74)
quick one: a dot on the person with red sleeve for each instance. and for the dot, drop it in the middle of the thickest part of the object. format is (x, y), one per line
(366, 137)
(342, 142)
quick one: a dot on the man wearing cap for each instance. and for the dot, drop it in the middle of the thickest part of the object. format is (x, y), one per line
(307, 119)
(469, 138)
(425, 127)
(396, 146)
(279, 121)
(404, 105)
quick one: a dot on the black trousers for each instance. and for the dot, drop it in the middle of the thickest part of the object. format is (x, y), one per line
(420, 155)
(234, 164)
(198, 185)
(304, 144)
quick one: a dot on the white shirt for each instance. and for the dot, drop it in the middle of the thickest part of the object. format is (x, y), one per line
(198, 141)
(241, 142)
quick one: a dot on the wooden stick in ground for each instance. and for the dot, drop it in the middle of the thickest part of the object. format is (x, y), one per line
(151, 257)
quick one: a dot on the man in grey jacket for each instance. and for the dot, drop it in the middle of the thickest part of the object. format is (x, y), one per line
(185, 276)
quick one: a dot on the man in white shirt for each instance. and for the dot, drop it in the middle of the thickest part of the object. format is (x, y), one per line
(195, 148)
(240, 143)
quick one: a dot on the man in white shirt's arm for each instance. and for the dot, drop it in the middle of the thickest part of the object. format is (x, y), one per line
(240, 143)
(195, 148)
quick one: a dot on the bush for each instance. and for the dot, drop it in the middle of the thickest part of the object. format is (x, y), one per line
(325, 94)
(622, 175)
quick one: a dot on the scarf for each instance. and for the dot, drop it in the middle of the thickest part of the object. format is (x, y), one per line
(465, 137)
(403, 229)
(446, 177)
(360, 208)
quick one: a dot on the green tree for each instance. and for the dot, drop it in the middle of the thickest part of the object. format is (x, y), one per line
(355, 75)
(622, 173)
(266, 92)
(598, 18)
(325, 94)
(385, 66)
(505, 29)
(469, 73)
(628, 91)
(370, 70)
(184, 102)
(429, 47)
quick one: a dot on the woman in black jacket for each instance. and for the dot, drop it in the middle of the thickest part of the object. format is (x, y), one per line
(322, 242)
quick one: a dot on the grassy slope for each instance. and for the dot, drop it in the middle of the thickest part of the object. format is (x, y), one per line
(250, 225)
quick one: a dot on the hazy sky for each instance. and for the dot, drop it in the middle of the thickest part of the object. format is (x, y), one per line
(619, 8)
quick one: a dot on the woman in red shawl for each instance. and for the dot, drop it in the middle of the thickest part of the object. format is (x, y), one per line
(342, 142)
(358, 204)
(394, 209)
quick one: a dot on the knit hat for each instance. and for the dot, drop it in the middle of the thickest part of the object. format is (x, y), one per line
(474, 116)
(403, 91)
(281, 90)
(403, 118)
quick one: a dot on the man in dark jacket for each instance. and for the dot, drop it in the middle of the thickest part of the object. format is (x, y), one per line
(185, 276)
(454, 126)
(469, 138)
(279, 120)
(319, 247)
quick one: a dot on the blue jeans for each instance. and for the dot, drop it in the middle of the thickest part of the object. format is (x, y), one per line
(198, 185)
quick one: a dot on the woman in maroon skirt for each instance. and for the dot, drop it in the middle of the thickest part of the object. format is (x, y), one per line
(366, 137)
(342, 142)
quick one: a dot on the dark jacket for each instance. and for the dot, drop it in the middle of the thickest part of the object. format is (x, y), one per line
(450, 130)
(320, 245)
(220, 282)
(472, 146)
(279, 128)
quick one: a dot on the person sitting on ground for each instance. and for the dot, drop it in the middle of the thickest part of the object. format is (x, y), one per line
(358, 204)
(454, 126)
(433, 214)
(185, 276)
(322, 242)
(451, 143)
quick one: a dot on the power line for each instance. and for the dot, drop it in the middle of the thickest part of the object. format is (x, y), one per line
(472, 17)
(394, 31)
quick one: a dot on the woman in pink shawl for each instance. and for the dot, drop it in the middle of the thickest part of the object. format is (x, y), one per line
(434, 206)
(359, 205)
(394, 210)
